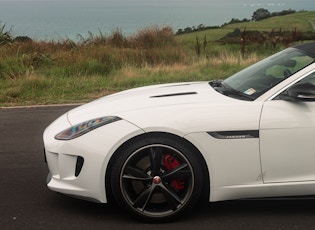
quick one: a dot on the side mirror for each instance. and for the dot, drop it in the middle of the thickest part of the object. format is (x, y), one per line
(303, 91)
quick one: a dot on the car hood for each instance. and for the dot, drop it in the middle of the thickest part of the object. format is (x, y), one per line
(144, 98)
(176, 106)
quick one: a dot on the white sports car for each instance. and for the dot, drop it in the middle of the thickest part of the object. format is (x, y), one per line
(157, 150)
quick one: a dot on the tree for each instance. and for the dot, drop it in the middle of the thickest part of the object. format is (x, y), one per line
(260, 14)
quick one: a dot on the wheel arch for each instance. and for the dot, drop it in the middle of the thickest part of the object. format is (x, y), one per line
(201, 160)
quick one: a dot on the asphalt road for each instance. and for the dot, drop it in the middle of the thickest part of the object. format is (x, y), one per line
(26, 202)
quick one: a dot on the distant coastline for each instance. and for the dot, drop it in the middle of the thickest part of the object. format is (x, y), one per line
(45, 20)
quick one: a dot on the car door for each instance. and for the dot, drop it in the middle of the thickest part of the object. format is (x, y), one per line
(287, 139)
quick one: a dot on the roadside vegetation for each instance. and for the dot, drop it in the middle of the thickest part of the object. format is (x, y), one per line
(64, 71)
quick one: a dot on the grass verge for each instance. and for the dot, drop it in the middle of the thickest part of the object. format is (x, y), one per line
(54, 72)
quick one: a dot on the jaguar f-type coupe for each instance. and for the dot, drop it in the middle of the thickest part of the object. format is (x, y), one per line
(157, 150)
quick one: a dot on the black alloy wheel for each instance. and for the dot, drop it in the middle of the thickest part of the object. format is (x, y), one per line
(157, 178)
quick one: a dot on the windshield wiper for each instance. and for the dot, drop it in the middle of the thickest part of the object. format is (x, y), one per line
(216, 83)
(222, 88)
(236, 93)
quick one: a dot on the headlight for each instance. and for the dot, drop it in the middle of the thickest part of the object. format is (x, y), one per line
(84, 127)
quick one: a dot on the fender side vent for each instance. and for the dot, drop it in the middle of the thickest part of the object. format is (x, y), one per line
(235, 134)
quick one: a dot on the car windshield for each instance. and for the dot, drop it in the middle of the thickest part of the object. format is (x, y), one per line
(253, 81)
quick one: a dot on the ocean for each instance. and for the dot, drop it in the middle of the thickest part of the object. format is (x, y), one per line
(50, 20)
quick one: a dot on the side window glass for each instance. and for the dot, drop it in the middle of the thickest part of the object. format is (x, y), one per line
(309, 79)
(303, 90)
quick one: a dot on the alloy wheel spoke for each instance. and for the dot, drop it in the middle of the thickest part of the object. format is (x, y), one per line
(135, 174)
(156, 160)
(143, 199)
(178, 172)
(172, 198)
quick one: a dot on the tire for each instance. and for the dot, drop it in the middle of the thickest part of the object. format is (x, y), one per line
(156, 177)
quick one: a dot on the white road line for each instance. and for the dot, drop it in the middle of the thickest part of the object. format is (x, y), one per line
(41, 106)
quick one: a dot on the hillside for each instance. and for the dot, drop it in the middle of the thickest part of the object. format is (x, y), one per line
(302, 21)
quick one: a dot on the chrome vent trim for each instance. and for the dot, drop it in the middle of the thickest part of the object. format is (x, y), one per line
(241, 134)
(174, 94)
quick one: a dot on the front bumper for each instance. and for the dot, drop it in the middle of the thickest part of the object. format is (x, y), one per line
(78, 166)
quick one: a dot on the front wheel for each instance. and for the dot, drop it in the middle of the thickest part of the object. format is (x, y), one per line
(157, 177)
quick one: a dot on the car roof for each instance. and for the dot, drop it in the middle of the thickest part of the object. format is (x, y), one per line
(307, 47)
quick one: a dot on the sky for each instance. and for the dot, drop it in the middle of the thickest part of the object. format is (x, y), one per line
(240, 1)
(181, 1)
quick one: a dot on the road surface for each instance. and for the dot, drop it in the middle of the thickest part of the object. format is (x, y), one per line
(26, 202)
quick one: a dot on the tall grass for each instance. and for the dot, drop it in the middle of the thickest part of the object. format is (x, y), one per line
(97, 55)
(63, 71)
(5, 36)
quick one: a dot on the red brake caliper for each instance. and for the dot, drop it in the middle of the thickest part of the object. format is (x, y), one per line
(171, 163)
